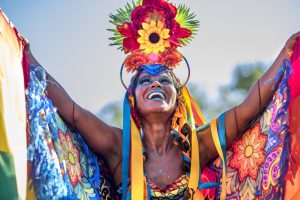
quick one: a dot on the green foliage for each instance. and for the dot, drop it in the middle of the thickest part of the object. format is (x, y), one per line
(186, 19)
(122, 16)
(112, 114)
(243, 77)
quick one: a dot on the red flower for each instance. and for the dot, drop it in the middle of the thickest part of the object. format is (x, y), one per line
(170, 58)
(135, 60)
(130, 41)
(157, 10)
(177, 32)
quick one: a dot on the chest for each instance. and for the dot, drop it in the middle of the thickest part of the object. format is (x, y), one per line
(164, 169)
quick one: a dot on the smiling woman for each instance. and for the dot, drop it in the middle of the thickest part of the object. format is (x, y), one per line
(155, 93)
(166, 150)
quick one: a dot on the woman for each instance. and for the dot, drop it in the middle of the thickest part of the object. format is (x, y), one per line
(157, 100)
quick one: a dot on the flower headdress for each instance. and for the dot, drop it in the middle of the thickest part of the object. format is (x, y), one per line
(149, 32)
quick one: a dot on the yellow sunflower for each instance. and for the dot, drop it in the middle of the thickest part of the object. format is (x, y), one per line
(153, 37)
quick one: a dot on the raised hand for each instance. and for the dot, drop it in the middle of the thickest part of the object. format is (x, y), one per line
(290, 43)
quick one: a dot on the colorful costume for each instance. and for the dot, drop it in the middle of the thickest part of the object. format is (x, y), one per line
(262, 164)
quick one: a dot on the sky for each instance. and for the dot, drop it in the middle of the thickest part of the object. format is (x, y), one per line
(70, 40)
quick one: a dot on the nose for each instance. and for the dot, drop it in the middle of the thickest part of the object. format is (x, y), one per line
(156, 84)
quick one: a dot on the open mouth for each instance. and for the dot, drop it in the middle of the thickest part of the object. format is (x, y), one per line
(156, 95)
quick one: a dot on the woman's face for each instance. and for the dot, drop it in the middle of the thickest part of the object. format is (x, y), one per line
(155, 94)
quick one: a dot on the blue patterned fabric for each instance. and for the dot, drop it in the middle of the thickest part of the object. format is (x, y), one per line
(62, 165)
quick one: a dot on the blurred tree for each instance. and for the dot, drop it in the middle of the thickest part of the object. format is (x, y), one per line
(243, 77)
(230, 95)
(112, 114)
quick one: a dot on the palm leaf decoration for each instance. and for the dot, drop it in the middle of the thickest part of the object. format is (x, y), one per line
(122, 16)
(186, 19)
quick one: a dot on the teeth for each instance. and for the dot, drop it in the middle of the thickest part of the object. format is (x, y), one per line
(156, 94)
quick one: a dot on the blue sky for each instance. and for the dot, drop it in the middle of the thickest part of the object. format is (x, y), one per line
(70, 40)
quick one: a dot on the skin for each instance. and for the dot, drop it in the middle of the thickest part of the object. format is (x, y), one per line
(164, 164)
(161, 167)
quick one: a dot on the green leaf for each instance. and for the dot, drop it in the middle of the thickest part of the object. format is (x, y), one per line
(186, 19)
(122, 16)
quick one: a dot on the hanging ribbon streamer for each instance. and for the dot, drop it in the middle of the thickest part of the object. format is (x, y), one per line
(125, 146)
(137, 174)
(221, 152)
(198, 116)
(195, 161)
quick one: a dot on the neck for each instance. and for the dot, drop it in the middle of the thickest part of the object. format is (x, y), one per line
(157, 135)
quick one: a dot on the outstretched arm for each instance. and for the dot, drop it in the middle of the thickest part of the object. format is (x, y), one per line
(238, 118)
(102, 138)
(258, 96)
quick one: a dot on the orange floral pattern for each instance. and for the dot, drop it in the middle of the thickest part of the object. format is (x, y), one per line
(71, 155)
(249, 153)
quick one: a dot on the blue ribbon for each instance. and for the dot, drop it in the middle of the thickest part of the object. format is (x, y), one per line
(125, 146)
(207, 185)
(222, 134)
(222, 137)
(203, 127)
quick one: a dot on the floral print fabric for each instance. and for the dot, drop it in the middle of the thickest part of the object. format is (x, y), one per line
(256, 162)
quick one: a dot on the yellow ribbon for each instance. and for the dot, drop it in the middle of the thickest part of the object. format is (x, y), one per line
(215, 136)
(137, 173)
(198, 116)
(195, 161)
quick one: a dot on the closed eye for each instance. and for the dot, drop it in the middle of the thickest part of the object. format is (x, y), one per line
(144, 81)
(165, 81)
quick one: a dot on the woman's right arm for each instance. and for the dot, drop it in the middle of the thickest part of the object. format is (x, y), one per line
(102, 138)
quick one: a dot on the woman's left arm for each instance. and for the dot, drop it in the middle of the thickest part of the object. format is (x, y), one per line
(238, 118)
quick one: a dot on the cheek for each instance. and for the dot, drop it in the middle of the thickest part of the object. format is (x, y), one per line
(138, 96)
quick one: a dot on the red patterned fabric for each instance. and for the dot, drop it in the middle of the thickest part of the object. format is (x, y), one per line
(293, 176)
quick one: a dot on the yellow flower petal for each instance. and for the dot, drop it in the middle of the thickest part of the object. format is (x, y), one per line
(161, 48)
(148, 50)
(148, 29)
(153, 24)
(167, 43)
(145, 26)
(155, 51)
(141, 40)
(141, 32)
(155, 46)
(143, 46)
(165, 33)
(159, 25)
